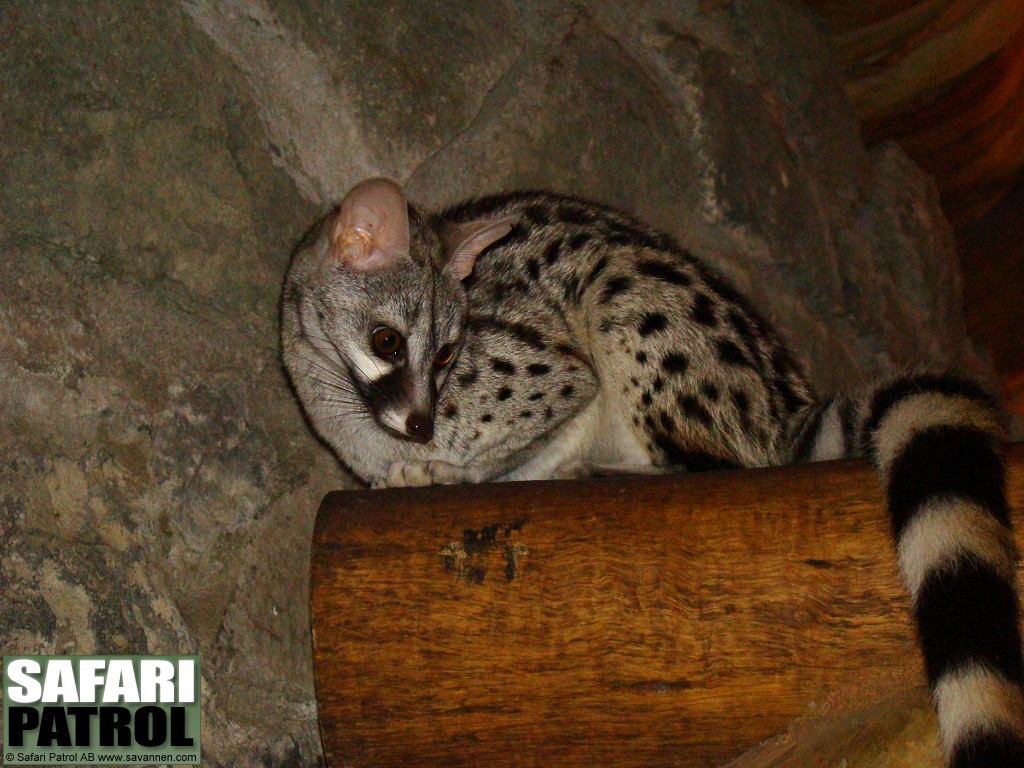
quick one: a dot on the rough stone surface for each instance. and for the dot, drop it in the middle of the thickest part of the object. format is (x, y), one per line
(159, 161)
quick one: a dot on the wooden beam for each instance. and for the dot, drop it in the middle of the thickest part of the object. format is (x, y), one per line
(675, 620)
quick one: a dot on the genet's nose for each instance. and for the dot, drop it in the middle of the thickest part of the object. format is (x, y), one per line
(419, 427)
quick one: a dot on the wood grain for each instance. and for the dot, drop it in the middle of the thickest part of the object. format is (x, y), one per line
(629, 621)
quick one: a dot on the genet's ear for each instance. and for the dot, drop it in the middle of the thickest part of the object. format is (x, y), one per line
(372, 226)
(464, 242)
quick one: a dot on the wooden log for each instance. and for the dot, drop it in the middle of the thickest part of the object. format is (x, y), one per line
(675, 620)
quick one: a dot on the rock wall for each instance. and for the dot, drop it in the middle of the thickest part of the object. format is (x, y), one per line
(159, 161)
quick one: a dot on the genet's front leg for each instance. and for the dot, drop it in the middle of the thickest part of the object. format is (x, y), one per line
(416, 473)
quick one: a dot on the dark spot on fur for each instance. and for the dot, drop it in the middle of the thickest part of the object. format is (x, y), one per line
(535, 397)
(565, 349)
(641, 357)
(694, 409)
(675, 363)
(658, 384)
(729, 352)
(548, 413)
(660, 270)
(525, 414)
(637, 239)
(567, 390)
(469, 377)
(524, 333)
(537, 214)
(740, 400)
(741, 324)
(572, 288)
(666, 421)
(451, 411)
(588, 281)
(504, 393)
(710, 391)
(575, 214)
(533, 269)
(742, 403)
(646, 398)
(538, 369)
(553, 251)
(486, 418)
(704, 310)
(503, 366)
(652, 322)
(578, 240)
(519, 233)
(614, 287)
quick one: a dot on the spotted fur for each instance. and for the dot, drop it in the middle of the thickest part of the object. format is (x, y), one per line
(587, 338)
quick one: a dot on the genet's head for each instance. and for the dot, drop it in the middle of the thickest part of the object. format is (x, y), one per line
(380, 301)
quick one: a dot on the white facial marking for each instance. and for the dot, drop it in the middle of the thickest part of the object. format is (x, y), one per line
(369, 368)
(395, 419)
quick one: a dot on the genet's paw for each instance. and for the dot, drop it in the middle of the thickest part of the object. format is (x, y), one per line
(415, 474)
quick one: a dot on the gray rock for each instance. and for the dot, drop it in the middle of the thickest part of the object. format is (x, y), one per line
(157, 481)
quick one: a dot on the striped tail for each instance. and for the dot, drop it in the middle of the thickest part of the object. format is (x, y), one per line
(935, 441)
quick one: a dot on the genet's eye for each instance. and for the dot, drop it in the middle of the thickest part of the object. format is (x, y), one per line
(387, 342)
(444, 356)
